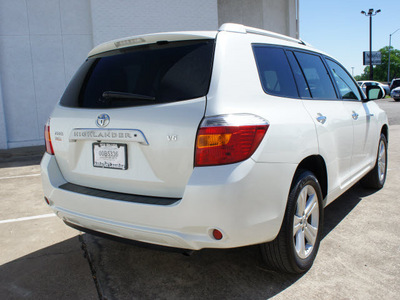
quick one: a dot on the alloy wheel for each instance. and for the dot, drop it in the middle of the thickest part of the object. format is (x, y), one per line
(306, 221)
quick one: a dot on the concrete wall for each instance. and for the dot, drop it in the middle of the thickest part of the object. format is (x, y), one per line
(43, 42)
(275, 15)
(3, 133)
(122, 18)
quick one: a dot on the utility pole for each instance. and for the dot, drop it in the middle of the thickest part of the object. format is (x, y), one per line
(390, 45)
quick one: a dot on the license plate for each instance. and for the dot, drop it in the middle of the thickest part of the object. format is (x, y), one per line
(110, 156)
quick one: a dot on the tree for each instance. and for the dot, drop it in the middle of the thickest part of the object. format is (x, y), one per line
(380, 71)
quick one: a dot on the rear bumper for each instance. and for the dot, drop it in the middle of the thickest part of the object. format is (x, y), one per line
(245, 201)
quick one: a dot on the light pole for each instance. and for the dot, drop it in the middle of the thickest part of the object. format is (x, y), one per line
(390, 45)
(371, 12)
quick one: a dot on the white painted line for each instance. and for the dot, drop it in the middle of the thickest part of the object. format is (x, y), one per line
(27, 218)
(20, 176)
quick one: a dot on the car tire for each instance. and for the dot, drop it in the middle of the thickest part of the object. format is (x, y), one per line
(376, 178)
(296, 246)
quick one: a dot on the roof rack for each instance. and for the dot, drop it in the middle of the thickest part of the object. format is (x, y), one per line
(239, 28)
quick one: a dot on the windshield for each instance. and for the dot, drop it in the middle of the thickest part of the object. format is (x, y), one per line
(161, 72)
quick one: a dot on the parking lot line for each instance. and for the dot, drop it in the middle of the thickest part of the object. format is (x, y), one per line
(20, 176)
(27, 218)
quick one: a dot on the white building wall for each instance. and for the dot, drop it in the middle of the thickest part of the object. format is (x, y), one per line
(275, 15)
(122, 18)
(3, 132)
(43, 42)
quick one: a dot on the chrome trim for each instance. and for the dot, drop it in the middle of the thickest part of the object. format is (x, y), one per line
(111, 134)
(321, 118)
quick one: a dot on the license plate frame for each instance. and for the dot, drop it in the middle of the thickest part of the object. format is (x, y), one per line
(107, 159)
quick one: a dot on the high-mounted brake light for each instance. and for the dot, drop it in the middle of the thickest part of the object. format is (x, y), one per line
(227, 139)
(47, 138)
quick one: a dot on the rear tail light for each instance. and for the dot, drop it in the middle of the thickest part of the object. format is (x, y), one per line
(47, 138)
(227, 139)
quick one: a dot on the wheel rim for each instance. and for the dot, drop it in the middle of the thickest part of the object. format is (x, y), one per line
(306, 221)
(382, 162)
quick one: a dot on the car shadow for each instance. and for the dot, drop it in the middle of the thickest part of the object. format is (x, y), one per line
(338, 210)
(20, 157)
(55, 272)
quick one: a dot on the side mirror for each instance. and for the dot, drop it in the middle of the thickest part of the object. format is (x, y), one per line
(374, 92)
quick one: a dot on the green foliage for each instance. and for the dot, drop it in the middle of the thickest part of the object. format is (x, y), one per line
(358, 78)
(380, 71)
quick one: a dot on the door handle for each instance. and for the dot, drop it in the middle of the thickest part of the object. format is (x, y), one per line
(355, 115)
(321, 118)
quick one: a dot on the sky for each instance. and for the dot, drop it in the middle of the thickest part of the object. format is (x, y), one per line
(338, 28)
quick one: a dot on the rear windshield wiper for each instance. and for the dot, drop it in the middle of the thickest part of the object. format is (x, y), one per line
(128, 96)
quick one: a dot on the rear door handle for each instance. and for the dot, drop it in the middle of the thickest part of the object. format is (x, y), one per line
(321, 118)
(355, 115)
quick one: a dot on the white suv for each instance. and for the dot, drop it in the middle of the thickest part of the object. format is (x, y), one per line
(211, 140)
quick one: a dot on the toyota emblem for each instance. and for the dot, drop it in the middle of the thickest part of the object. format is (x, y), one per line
(103, 120)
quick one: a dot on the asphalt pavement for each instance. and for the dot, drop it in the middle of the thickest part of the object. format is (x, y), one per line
(41, 258)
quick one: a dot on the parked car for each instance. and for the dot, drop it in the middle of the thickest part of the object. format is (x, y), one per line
(386, 88)
(395, 94)
(364, 84)
(395, 83)
(212, 139)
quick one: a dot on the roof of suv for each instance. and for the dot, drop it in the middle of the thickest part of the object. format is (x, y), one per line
(187, 35)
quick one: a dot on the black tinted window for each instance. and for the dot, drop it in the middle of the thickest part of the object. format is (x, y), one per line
(395, 84)
(317, 76)
(274, 71)
(302, 86)
(162, 72)
(347, 88)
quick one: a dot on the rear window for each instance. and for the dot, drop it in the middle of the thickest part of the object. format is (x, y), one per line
(275, 74)
(143, 75)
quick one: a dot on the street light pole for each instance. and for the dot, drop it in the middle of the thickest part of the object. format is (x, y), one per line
(390, 45)
(371, 68)
(370, 14)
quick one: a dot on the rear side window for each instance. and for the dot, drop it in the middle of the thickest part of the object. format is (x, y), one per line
(275, 74)
(318, 80)
(347, 88)
(302, 86)
(143, 75)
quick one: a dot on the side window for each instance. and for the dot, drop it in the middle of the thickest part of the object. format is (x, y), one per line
(275, 74)
(347, 87)
(317, 76)
(302, 86)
